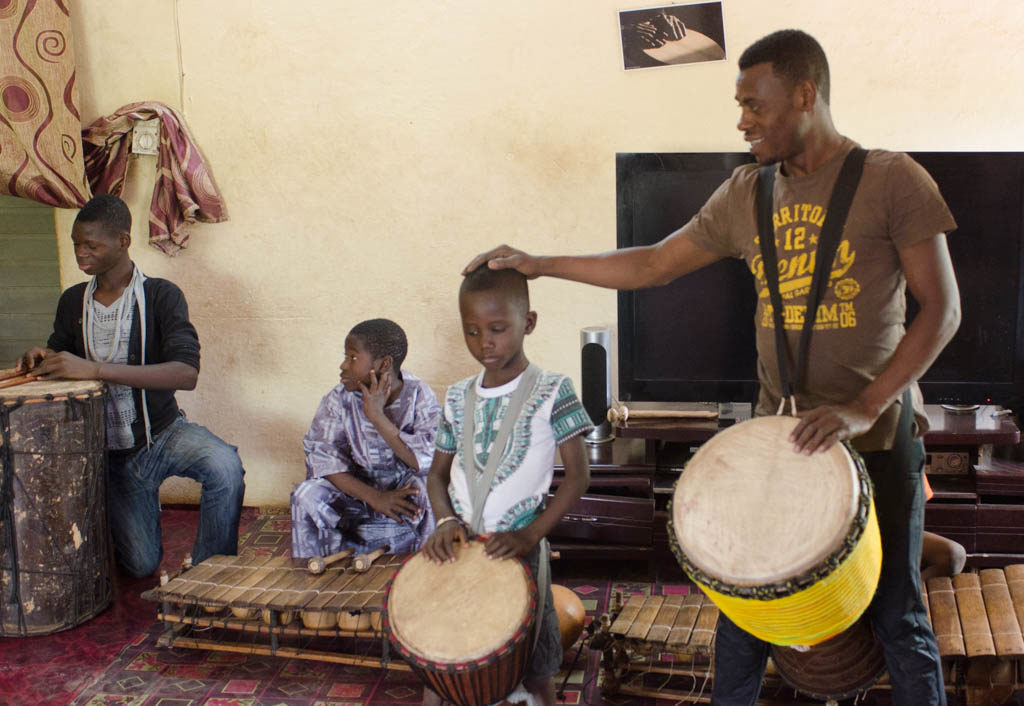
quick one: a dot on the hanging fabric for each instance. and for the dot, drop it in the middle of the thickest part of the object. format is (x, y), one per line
(184, 191)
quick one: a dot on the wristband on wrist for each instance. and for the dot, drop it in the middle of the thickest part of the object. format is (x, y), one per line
(450, 518)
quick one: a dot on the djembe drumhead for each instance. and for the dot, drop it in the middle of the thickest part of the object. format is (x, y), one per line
(460, 611)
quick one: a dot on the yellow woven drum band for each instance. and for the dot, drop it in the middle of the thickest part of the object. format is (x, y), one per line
(820, 611)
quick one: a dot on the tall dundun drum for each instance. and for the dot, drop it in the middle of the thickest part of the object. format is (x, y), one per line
(464, 627)
(786, 545)
(55, 550)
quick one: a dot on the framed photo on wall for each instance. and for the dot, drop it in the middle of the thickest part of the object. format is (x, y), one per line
(671, 35)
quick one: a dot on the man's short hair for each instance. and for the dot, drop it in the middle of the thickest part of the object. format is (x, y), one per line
(794, 55)
(382, 337)
(108, 210)
(511, 282)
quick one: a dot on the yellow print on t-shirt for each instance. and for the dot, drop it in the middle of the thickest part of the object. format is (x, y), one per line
(830, 316)
(797, 228)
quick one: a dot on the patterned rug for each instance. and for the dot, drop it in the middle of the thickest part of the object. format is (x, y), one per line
(115, 658)
(145, 674)
(52, 670)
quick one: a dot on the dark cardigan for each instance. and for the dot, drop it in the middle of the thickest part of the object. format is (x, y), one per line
(170, 336)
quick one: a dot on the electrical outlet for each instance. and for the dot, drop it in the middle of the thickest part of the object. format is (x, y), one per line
(146, 136)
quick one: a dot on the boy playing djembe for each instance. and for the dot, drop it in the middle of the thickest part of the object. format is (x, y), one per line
(495, 310)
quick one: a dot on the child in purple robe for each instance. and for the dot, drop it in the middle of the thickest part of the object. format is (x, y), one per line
(368, 451)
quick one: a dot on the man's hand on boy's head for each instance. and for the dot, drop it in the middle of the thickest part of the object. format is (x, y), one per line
(505, 545)
(375, 395)
(440, 546)
(397, 504)
(504, 257)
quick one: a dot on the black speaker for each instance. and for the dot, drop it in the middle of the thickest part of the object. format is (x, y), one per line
(596, 371)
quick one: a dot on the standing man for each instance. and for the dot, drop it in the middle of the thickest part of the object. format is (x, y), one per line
(133, 332)
(861, 362)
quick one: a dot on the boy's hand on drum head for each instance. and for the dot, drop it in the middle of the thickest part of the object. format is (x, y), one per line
(820, 428)
(440, 546)
(31, 358)
(505, 545)
(66, 366)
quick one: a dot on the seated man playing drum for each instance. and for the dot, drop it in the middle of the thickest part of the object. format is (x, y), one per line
(133, 332)
(367, 453)
(504, 497)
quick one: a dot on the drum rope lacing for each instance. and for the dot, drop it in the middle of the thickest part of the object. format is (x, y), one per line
(7, 515)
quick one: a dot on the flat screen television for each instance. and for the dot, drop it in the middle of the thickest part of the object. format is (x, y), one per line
(693, 339)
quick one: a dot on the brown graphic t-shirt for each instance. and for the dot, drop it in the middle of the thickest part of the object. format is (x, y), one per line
(860, 319)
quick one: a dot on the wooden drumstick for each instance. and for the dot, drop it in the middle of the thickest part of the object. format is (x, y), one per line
(12, 380)
(620, 412)
(319, 564)
(362, 562)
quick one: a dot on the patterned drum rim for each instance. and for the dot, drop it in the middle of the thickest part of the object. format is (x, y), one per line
(781, 589)
(51, 391)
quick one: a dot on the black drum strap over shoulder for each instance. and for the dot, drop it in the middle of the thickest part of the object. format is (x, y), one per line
(831, 232)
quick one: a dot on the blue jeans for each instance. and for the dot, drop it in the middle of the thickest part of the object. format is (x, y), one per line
(897, 613)
(133, 501)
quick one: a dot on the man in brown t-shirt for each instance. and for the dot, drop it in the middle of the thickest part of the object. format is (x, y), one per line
(861, 359)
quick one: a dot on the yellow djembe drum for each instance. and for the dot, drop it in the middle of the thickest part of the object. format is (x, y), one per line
(786, 545)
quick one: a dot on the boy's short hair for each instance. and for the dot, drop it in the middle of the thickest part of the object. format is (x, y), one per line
(511, 282)
(382, 337)
(794, 55)
(108, 210)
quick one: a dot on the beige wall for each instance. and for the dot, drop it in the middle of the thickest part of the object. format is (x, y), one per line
(367, 150)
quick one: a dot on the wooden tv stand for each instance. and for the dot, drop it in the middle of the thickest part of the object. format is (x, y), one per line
(979, 503)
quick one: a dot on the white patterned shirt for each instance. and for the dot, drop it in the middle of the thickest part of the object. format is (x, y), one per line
(552, 414)
(120, 405)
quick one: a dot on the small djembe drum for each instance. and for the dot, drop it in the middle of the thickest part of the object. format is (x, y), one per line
(464, 627)
(55, 550)
(786, 545)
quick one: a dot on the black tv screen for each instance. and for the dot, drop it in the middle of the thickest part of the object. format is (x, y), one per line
(693, 339)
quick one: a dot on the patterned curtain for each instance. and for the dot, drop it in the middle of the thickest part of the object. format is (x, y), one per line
(40, 128)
